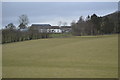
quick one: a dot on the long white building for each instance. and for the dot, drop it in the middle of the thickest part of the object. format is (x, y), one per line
(47, 28)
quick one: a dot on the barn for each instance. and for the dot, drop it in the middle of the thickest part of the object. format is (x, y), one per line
(46, 28)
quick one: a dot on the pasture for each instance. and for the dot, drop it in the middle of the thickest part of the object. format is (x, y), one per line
(72, 57)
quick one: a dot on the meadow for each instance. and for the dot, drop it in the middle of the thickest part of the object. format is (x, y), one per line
(71, 57)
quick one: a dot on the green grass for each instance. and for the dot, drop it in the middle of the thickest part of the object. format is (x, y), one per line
(60, 35)
(73, 57)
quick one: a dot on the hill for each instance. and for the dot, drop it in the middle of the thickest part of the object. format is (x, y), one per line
(115, 18)
(75, 57)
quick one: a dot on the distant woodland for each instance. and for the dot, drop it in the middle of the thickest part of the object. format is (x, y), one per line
(92, 25)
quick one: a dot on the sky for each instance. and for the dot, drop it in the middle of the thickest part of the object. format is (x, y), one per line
(53, 12)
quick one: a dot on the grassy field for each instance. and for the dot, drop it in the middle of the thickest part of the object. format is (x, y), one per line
(60, 35)
(73, 57)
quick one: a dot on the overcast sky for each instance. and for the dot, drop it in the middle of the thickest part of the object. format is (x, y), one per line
(53, 12)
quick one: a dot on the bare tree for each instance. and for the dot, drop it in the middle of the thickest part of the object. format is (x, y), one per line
(65, 24)
(23, 20)
(10, 26)
(59, 23)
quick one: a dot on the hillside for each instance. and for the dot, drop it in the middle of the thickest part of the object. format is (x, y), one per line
(75, 57)
(115, 18)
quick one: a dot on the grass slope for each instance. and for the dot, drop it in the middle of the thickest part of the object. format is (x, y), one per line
(75, 57)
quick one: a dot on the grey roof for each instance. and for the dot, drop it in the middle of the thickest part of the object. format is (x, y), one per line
(65, 26)
(41, 25)
(55, 27)
(47, 26)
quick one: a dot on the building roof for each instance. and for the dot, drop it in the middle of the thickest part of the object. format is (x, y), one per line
(65, 26)
(55, 27)
(47, 26)
(40, 25)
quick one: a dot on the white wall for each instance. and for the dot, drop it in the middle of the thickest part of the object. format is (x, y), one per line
(50, 30)
(55, 30)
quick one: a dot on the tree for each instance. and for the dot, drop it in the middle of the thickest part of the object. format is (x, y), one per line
(65, 24)
(73, 25)
(59, 23)
(88, 18)
(81, 26)
(89, 26)
(23, 20)
(78, 28)
(96, 24)
(107, 26)
(22, 26)
(10, 26)
(118, 25)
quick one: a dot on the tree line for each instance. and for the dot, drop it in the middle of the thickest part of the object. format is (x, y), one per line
(11, 34)
(95, 25)
(92, 25)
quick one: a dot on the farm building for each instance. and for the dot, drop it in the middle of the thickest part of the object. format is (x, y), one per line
(66, 29)
(47, 28)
